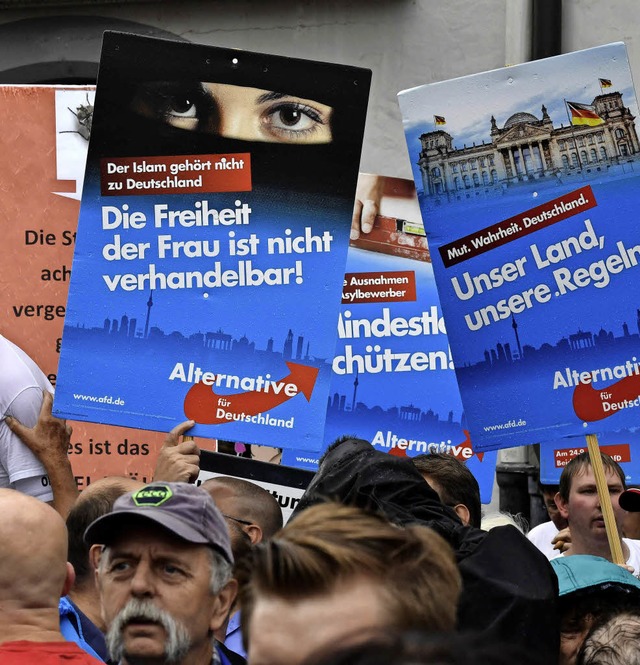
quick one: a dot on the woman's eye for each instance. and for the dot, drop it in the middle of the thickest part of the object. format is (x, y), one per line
(182, 106)
(293, 117)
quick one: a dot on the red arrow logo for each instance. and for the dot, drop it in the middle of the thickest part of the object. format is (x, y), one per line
(461, 452)
(206, 407)
(590, 404)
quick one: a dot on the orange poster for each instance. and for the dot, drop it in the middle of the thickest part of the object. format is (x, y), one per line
(43, 150)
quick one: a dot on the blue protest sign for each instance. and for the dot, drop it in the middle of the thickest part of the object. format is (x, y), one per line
(620, 446)
(393, 382)
(528, 184)
(212, 236)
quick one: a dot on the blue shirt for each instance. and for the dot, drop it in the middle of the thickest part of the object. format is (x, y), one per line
(76, 627)
(233, 639)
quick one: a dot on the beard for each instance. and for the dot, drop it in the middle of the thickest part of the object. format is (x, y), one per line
(177, 643)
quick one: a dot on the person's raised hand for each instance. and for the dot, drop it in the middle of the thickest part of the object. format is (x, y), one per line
(178, 461)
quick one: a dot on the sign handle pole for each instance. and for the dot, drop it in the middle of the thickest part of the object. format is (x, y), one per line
(605, 500)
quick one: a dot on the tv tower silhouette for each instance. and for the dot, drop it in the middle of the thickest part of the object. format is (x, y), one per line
(149, 306)
(514, 325)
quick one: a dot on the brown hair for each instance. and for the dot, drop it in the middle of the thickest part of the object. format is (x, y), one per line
(329, 543)
(578, 465)
(457, 484)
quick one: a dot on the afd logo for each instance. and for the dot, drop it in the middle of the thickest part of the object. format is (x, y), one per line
(155, 495)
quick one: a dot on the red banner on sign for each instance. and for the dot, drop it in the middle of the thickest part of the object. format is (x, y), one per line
(396, 286)
(175, 174)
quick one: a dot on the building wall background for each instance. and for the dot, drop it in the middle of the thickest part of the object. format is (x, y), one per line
(405, 42)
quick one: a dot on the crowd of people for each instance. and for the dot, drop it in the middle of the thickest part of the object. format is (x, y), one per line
(384, 560)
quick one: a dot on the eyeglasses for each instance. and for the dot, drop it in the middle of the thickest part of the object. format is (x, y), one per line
(239, 521)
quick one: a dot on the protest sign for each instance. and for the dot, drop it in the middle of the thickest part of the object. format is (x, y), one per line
(286, 484)
(622, 447)
(42, 163)
(212, 233)
(393, 382)
(531, 222)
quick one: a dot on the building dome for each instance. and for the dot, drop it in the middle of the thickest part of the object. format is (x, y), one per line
(518, 118)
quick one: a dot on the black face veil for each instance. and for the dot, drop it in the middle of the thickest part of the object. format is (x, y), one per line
(134, 68)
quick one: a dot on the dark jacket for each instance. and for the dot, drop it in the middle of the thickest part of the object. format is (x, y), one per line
(233, 657)
(509, 588)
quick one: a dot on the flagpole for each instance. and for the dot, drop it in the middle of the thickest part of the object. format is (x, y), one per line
(573, 136)
(611, 528)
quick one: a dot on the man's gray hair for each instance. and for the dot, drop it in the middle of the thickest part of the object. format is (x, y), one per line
(615, 642)
(221, 571)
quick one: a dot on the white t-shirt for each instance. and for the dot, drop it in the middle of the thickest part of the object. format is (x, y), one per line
(634, 554)
(21, 386)
(541, 536)
(633, 559)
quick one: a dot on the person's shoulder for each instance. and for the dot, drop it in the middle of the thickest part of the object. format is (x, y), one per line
(632, 544)
(542, 536)
(19, 371)
(45, 653)
(544, 530)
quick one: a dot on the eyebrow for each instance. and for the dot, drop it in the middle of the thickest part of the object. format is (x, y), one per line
(271, 96)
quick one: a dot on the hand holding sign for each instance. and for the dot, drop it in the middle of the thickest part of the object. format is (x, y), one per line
(178, 461)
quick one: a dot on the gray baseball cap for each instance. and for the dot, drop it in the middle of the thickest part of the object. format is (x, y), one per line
(185, 510)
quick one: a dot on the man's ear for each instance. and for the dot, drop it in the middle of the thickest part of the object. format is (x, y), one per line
(222, 606)
(95, 552)
(254, 532)
(561, 505)
(463, 513)
(69, 579)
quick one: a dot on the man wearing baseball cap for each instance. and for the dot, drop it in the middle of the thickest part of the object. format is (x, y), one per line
(591, 590)
(163, 565)
(630, 500)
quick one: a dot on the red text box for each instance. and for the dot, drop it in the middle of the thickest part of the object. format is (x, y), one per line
(361, 287)
(517, 226)
(175, 174)
(620, 453)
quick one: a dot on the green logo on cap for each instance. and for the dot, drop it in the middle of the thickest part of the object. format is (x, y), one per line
(152, 495)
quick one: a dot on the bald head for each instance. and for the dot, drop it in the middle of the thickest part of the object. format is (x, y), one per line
(33, 552)
(105, 487)
(243, 500)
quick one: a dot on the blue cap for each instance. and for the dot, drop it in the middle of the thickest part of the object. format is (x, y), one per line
(583, 571)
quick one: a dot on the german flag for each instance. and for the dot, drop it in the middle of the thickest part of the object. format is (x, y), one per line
(584, 114)
(439, 120)
(605, 83)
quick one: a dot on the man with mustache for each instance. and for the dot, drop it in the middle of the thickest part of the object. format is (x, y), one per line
(163, 567)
